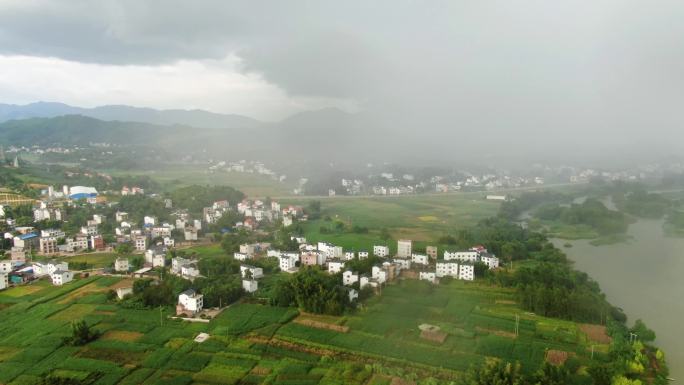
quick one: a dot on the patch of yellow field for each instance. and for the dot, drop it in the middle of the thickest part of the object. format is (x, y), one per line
(74, 312)
(175, 343)
(6, 352)
(20, 291)
(428, 218)
(121, 335)
(82, 292)
(122, 283)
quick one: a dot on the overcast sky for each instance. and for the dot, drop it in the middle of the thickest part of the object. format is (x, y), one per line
(492, 67)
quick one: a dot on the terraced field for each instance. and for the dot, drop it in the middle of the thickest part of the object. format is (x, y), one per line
(480, 322)
(258, 344)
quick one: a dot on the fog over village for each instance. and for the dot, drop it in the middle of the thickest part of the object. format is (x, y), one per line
(391, 192)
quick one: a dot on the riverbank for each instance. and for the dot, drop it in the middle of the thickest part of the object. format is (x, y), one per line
(644, 278)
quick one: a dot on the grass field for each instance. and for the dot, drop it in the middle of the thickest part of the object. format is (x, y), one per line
(179, 176)
(418, 217)
(258, 344)
(479, 320)
(96, 260)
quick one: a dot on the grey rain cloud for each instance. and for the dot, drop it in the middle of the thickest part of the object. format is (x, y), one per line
(593, 74)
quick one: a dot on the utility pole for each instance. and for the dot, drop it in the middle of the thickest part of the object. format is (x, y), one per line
(592, 352)
(161, 318)
(517, 321)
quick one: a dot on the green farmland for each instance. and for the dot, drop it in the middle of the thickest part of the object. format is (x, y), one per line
(94, 260)
(258, 344)
(179, 176)
(479, 320)
(418, 217)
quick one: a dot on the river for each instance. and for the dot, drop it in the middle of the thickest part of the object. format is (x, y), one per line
(645, 277)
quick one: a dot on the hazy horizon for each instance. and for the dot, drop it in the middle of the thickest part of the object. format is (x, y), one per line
(525, 80)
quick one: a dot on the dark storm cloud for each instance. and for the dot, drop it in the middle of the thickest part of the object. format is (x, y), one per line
(590, 73)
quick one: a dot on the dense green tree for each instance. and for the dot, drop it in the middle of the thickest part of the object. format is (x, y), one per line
(498, 373)
(642, 331)
(81, 334)
(318, 292)
(551, 375)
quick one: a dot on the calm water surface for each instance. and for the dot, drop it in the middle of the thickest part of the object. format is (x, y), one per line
(644, 277)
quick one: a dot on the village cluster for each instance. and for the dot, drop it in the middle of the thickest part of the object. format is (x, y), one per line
(154, 239)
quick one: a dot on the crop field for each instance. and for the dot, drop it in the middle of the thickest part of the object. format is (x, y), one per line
(96, 260)
(260, 344)
(255, 185)
(144, 347)
(418, 217)
(479, 320)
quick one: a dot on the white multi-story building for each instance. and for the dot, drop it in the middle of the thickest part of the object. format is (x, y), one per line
(5, 266)
(403, 263)
(60, 277)
(190, 302)
(149, 220)
(177, 264)
(311, 258)
(349, 277)
(429, 276)
(381, 251)
(287, 262)
(419, 259)
(4, 281)
(159, 260)
(97, 218)
(446, 269)
(190, 233)
(463, 256)
(190, 271)
(48, 245)
(55, 233)
(78, 242)
(330, 250)
(169, 242)
(404, 248)
(349, 255)
(256, 272)
(379, 274)
(89, 230)
(121, 216)
(490, 260)
(241, 256)
(121, 265)
(335, 267)
(41, 269)
(363, 254)
(248, 248)
(363, 281)
(250, 285)
(160, 231)
(353, 295)
(466, 272)
(140, 243)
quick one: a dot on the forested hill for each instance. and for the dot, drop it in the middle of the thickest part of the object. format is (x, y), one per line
(77, 130)
(194, 118)
(294, 138)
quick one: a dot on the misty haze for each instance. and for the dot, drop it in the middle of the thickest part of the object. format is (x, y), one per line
(336, 192)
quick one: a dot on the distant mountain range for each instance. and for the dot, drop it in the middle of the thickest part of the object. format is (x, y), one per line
(194, 118)
(308, 136)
